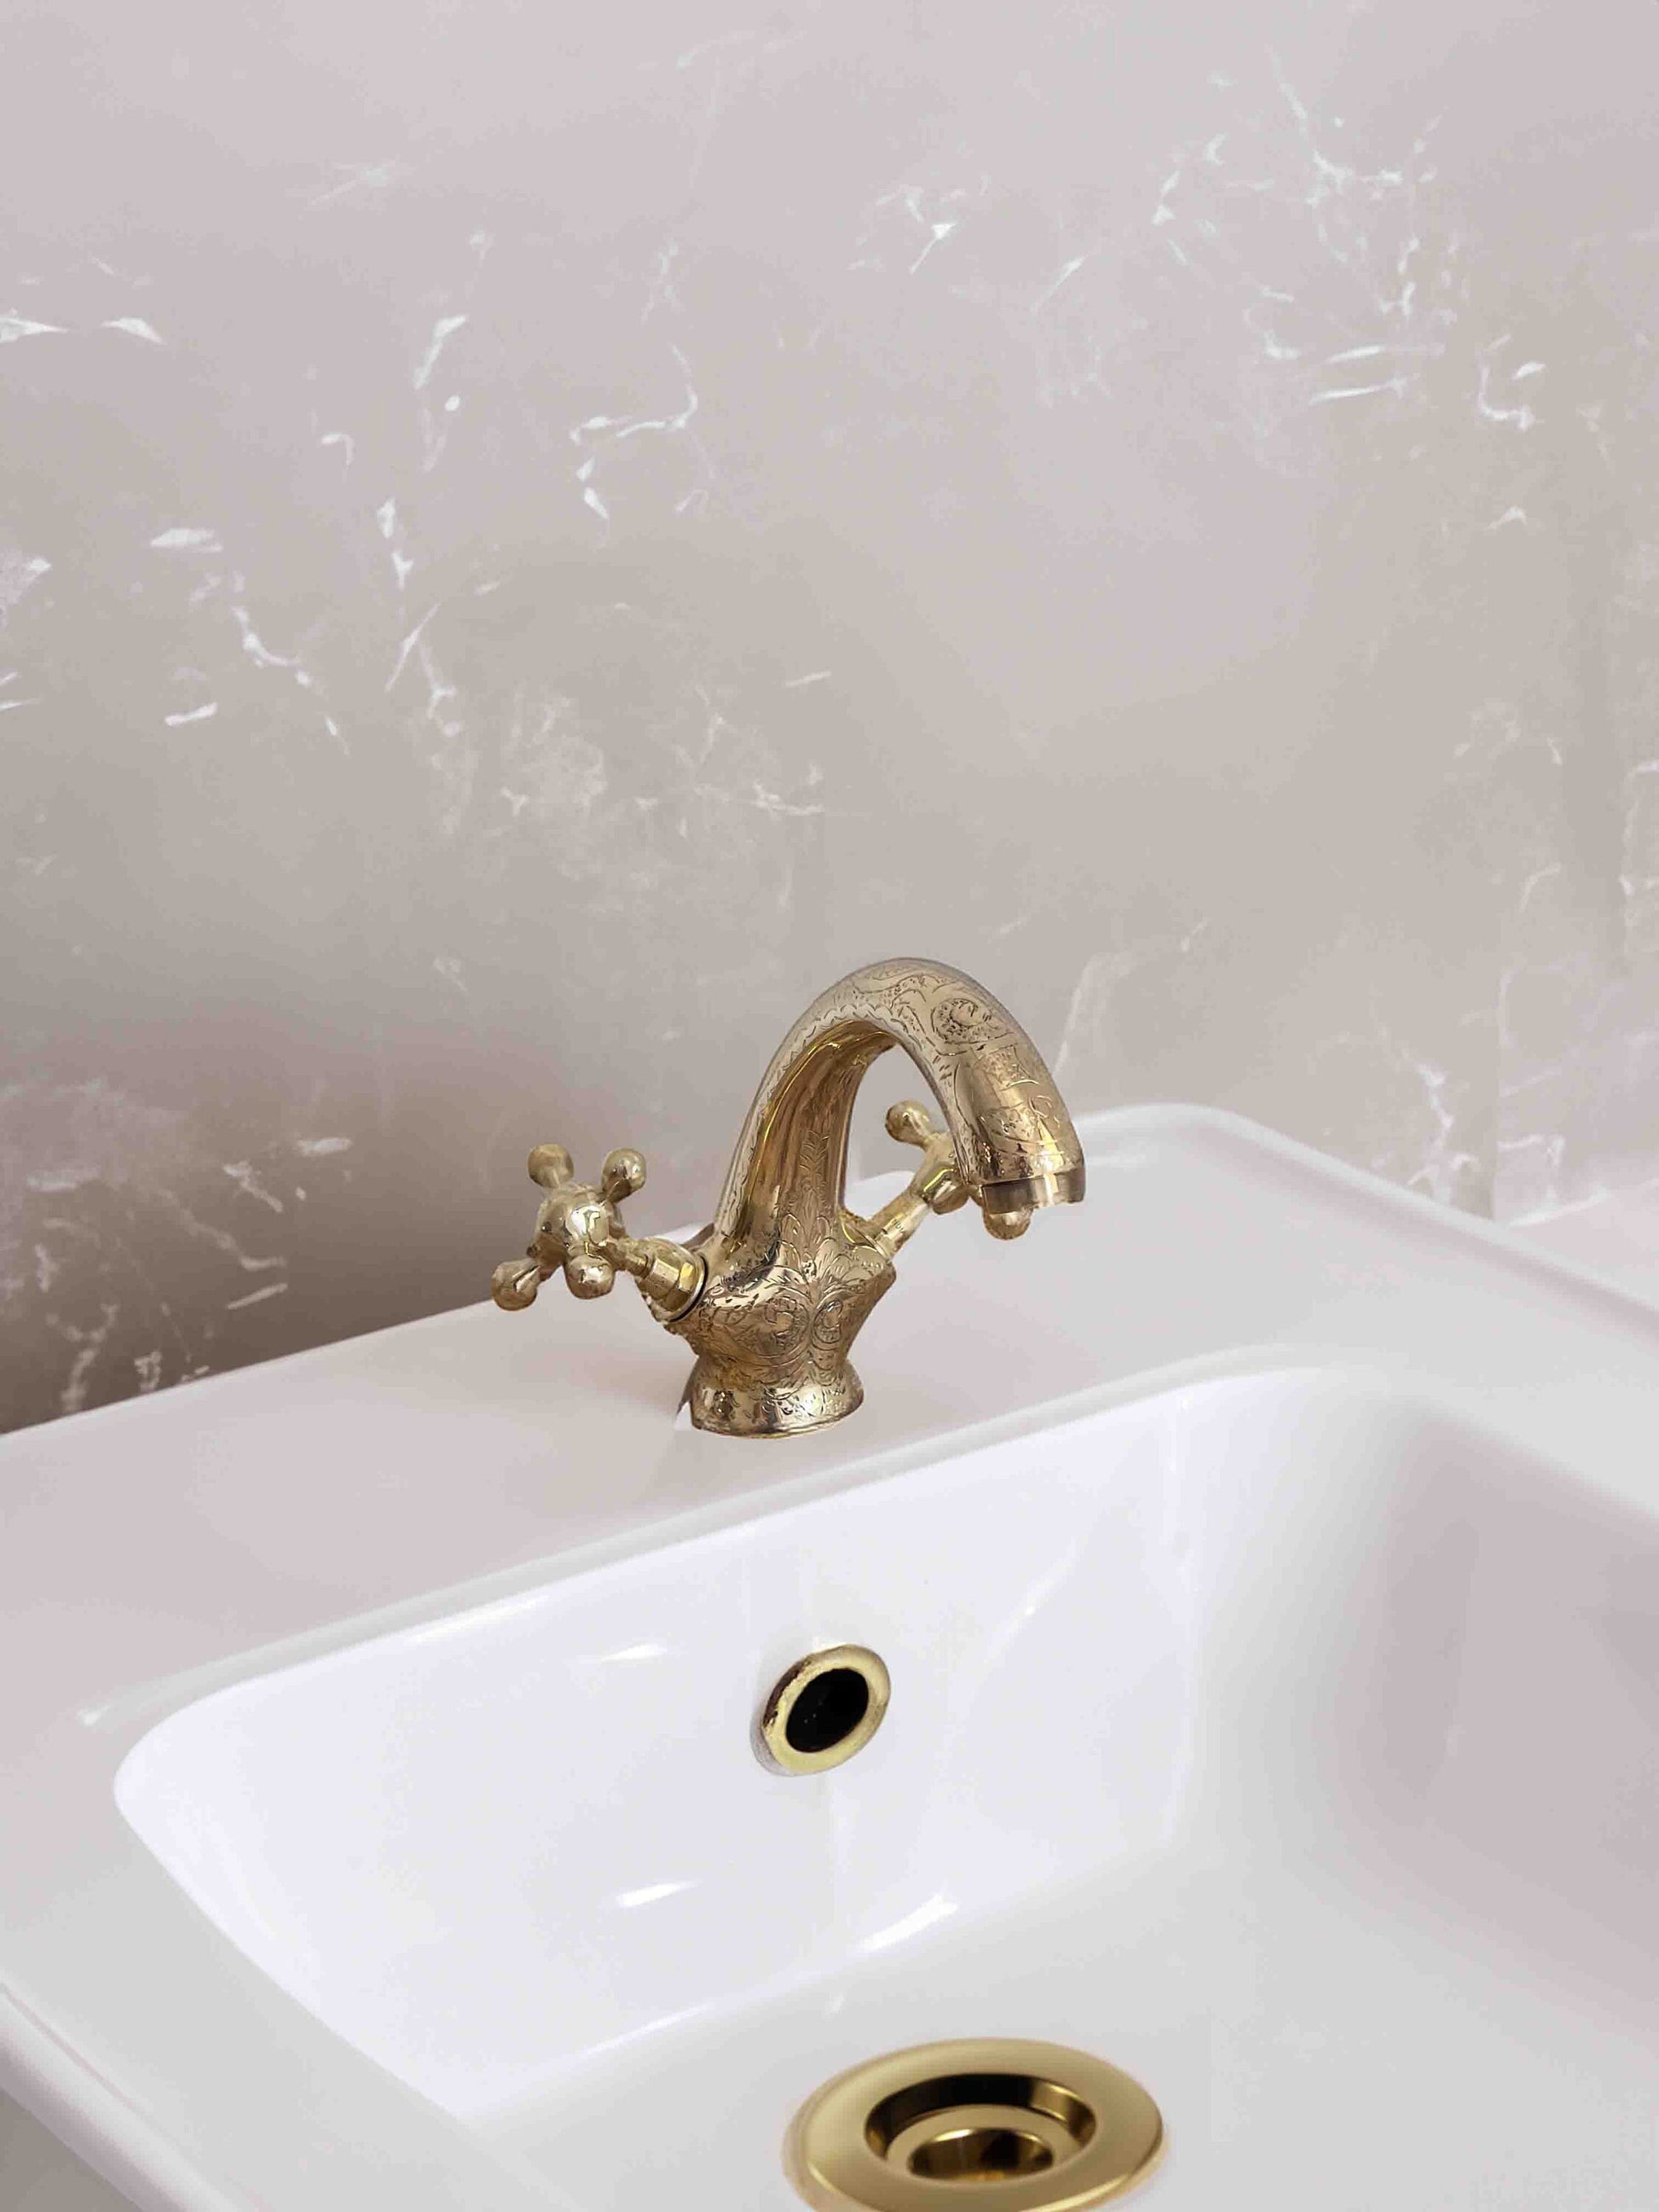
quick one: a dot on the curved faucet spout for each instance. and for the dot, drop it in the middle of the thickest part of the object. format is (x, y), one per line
(1015, 1144)
(790, 1273)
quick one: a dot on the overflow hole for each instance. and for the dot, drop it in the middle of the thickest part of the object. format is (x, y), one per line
(823, 1709)
(827, 1711)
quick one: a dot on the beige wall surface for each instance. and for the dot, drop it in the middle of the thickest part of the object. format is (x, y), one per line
(532, 538)
(37, 2174)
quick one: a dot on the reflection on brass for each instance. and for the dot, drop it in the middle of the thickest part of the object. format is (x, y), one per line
(1018, 2126)
(771, 1295)
(823, 1709)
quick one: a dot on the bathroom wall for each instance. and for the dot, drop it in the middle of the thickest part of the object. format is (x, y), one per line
(37, 2174)
(531, 539)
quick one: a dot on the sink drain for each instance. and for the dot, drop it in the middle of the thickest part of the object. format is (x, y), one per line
(1023, 2127)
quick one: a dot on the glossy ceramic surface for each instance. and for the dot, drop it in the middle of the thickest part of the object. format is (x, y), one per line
(1275, 1658)
(1252, 1736)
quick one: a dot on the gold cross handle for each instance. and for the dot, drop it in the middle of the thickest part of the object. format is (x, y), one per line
(579, 1230)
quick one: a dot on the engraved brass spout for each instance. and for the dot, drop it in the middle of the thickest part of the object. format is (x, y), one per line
(771, 1295)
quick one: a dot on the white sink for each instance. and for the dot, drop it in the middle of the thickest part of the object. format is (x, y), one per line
(1281, 1739)
(1275, 1714)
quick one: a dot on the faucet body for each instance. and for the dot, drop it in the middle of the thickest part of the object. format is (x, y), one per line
(771, 1295)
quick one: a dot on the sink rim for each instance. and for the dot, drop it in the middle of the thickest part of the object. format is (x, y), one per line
(67, 2047)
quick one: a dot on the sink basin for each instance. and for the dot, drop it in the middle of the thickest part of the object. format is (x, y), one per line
(1275, 1714)
(1282, 1739)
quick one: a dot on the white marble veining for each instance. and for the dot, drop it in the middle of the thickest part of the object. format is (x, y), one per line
(533, 541)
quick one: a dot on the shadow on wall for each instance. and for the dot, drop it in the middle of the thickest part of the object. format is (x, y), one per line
(37, 2174)
(528, 551)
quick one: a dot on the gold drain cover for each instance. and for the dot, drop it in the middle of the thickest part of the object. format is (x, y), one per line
(1020, 2127)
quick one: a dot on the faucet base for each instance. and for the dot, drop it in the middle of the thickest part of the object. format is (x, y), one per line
(729, 1408)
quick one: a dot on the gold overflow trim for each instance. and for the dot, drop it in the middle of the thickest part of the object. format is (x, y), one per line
(823, 1711)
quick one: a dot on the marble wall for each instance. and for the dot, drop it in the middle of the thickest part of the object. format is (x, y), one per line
(531, 539)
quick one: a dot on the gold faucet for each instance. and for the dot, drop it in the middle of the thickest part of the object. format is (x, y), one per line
(772, 1293)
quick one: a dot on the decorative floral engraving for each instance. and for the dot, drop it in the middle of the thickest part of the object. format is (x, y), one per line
(962, 1021)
